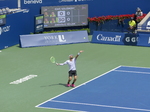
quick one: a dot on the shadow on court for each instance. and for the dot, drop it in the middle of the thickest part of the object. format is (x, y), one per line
(59, 84)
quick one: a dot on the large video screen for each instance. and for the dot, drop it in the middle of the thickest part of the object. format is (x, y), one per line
(65, 16)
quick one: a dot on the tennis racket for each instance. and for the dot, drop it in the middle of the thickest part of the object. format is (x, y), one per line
(52, 59)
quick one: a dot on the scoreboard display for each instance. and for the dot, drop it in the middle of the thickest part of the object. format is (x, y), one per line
(64, 16)
(2, 20)
(39, 23)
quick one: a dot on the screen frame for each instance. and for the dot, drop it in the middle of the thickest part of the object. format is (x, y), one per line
(59, 26)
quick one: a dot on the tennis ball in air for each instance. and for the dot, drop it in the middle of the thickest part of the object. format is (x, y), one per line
(84, 37)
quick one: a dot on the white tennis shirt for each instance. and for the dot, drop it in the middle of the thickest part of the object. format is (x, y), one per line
(71, 64)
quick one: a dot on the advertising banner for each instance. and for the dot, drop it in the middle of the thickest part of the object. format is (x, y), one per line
(49, 39)
(108, 38)
(115, 38)
(144, 40)
(130, 39)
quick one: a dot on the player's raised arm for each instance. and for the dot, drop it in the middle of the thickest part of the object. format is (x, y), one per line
(78, 54)
(61, 63)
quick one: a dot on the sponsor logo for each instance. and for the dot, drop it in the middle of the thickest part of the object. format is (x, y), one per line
(61, 38)
(25, 10)
(149, 40)
(148, 25)
(39, 27)
(4, 29)
(33, 1)
(131, 39)
(54, 38)
(23, 79)
(101, 37)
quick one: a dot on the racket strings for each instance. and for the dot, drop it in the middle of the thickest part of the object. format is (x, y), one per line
(52, 59)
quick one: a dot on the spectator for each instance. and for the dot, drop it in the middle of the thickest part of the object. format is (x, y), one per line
(139, 12)
(132, 25)
(135, 19)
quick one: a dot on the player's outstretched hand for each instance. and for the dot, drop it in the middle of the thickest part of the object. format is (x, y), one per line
(57, 64)
(81, 51)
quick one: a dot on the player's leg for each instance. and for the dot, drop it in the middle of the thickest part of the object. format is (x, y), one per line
(69, 78)
(75, 79)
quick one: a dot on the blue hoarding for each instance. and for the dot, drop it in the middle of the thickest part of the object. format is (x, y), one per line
(53, 39)
(108, 38)
(117, 38)
(16, 24)
(144, 40)
(130, 39)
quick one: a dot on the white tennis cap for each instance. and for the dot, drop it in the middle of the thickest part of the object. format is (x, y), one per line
(70, 55)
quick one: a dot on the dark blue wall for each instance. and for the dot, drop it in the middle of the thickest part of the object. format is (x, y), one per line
(9, 3)
(97, 7)
(117, 7)
(16, 25)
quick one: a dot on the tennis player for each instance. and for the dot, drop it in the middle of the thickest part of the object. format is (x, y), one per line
(72, 68)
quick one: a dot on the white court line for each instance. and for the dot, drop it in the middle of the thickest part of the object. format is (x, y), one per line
(97, 105)
(132, 71)
(134, 67)
(78, 86)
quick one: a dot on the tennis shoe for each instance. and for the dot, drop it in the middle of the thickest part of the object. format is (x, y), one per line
(68, 85)
(73, 85)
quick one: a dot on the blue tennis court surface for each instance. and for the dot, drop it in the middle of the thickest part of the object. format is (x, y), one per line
(123, 89)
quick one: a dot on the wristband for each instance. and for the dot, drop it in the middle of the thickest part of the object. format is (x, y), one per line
(78, 53)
